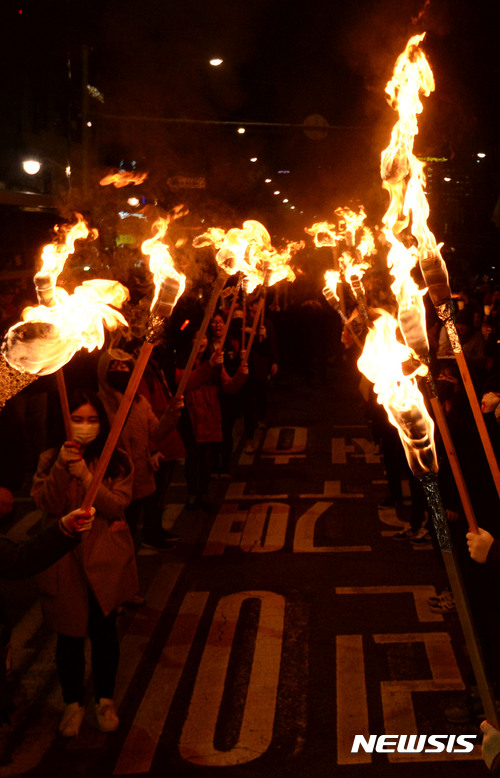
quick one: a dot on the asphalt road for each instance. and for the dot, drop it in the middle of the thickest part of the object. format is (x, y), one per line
(285, 622)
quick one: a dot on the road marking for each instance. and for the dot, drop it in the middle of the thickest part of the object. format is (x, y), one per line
(143, 625)
(281, 455)
(352, 705)
(332, 489)
(340, 448)
(303, 541)
(265, 527)
(421, 594)
(397, 702)
(236, 491)
(197, 738)
(142, 740)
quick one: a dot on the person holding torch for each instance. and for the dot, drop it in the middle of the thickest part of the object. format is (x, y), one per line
(80, 594)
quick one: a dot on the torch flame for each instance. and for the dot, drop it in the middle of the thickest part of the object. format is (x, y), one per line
(405, 221)
(123, 178)
(384, 355)
(382, 363)
(49, 336)
(357, 239)
(54, 255)
(332, 280)
(53, 331)
(161, 263)
(249, 251)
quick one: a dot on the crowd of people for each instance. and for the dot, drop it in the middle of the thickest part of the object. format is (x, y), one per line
(227, 383)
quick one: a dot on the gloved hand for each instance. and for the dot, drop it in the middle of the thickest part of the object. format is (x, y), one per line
(479, 544)
(175, 405)
(489, 402)
(78, 468)
(70, 452)
(78, 521)
(217, 358)
(491, 742)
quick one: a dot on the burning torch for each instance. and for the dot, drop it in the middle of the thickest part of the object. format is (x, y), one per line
(406, 410)
(169, 285)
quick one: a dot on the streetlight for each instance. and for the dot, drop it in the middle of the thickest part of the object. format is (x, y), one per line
(31, 166)
(216, 62)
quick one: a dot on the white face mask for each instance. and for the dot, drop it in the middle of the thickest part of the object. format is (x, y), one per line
(84, 433)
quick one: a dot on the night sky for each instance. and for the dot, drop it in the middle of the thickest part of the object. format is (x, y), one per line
(283, 61)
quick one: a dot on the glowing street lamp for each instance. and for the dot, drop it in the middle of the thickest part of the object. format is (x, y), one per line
(31, 166)
(216, 62)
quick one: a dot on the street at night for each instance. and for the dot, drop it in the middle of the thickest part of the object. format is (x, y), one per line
(249, 389)
(284, 623)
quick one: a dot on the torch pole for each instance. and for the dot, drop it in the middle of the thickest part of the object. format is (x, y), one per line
(473, 401)
(244, 288)
(63, 397)
(230, 314)
(117, 425)
(218, 287)
(260, 306)
(46, 294)
(162, 309)
(336, 264)
(450, 450)
(335, 304)
(436, 278)
(435, 505)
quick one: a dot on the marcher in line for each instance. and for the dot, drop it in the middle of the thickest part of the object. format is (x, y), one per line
(80, 594)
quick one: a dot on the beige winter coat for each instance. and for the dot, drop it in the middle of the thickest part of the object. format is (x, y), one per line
(104, 562)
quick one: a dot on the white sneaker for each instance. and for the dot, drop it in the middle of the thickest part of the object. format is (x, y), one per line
(107, 720)
(71, 720)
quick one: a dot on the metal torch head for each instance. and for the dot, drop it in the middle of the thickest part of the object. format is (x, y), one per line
(167, 297)
(29, 345)
(436, 278)
(44, 286)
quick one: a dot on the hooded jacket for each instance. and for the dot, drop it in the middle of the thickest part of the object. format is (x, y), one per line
(138, 430)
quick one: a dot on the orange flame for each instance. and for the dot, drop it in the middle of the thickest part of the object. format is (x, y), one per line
(123, 178)
(358, 241)
(161, 263)
(332, 280)
(57, 332)
(382, 363)
(54, 255)
(383, 355)
(405, 221)
(249, 251)
(51, 332)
